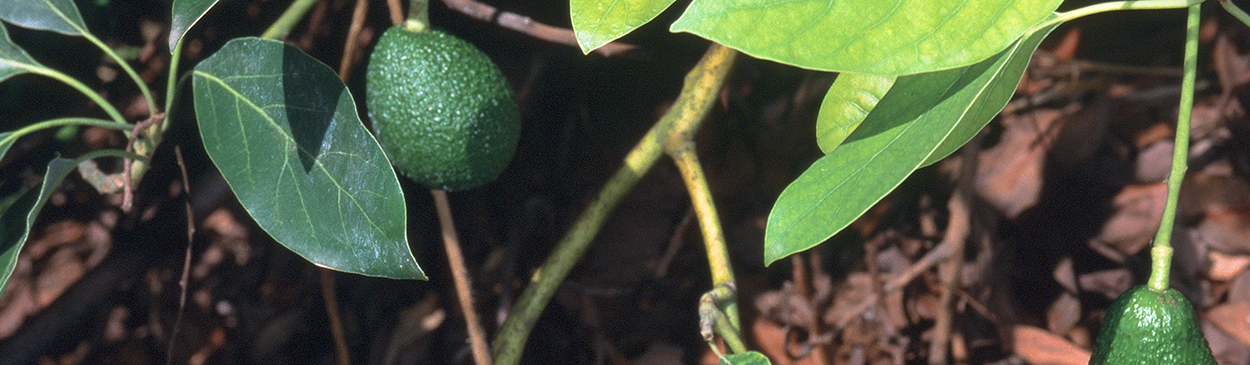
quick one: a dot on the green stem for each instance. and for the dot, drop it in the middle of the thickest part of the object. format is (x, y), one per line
(1235, 11)
(288, 19)
(1115, 6)
(143, 86)
(682, 150)
(1161, 253)
(103, 123)
(418, 16)
(713, 318)
(108, 153)
(91, 94)
(702, 86)
(171, 82)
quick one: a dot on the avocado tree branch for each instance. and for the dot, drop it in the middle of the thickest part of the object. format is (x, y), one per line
(680, 147)
(524, 24)
(702, 85)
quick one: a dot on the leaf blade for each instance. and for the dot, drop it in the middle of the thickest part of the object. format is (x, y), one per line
(892, 37)
(598, 22)
(185, 14)
(910, 124)
(59, 16)
(284, 132)
(851, 97)
(13, 59)
(18, 213)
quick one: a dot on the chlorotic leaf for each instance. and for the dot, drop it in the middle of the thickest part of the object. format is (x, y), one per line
(910, 124)
(59, 16)
(746, 358)
(13, 59)
(597, 22)
(18, 212)
(185, 13)
(284, 133)
(846, 104)
(880, 37)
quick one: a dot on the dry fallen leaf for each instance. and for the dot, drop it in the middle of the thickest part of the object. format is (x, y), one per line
(1226, 267)
(1044, 348)
(1233, 319)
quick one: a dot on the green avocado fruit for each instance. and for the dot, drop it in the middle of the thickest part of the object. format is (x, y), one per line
(1145, 327)
(441, 109)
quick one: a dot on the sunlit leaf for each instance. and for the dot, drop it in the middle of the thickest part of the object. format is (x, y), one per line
(846, 104)
(18, 212)
(908, 126)
(284, 133)
(185, 13)
(59, 16)
(597, 22)
(880, 37)
(746, 358)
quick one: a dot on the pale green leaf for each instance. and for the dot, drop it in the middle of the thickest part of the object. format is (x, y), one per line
(284, 133)
(910, 124)
(18, 212)
(59, 16)
(597, 22)
(846, 104)
(185, 13)
(746, 358)
(13, 59)
(880, 37)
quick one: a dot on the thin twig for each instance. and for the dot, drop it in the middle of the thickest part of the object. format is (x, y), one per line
(702, 86)
(956, 235)
(460, 276)
(332, 311)
(528, 26)
(186, 260)
(396, 9)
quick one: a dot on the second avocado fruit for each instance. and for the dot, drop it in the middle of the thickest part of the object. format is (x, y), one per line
(441, 109)
(1145, 327)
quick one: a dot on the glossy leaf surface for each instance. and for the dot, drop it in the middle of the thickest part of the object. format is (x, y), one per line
(597, 22)
(880, 37)
(848, 101)
(284, 132)
(59, 16)
(908, 126)
(18, 212)
(185, 13)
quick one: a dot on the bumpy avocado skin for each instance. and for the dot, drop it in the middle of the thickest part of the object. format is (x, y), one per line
(1145, 327)
(441, 109)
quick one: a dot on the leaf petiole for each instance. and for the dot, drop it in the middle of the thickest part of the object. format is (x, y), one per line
(1062, 17)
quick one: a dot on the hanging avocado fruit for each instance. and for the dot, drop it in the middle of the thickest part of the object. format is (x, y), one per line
(1145, 327)
(441, 109)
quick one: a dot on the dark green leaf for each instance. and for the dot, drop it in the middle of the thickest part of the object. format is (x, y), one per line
(597, 22)
(284, 132)
(18, 212)
(909, 125)
(880, 37)
(59, 16)
(846, 104)
(13, 59)
(746, 358)
(185, 13)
